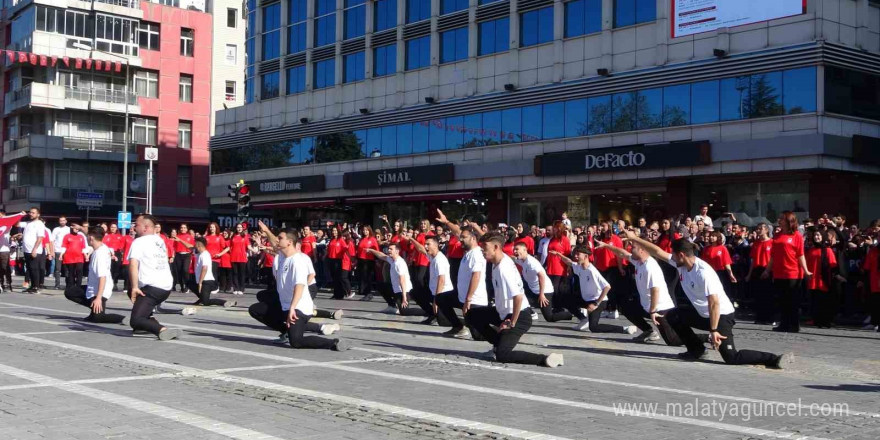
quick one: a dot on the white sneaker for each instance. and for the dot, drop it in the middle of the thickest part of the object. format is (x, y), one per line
(391, 310)
(283, 339)
(614, 315)
(534, 315)
(553, 360)
(586, 312)
(337, 314)
(329, 329)
(582, 325)
(630, 329)
(215, 291)
(186, 311)
(350, 295)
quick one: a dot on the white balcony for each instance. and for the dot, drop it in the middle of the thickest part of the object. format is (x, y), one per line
(49, 43)
(35, 95)
(51, 96)
(41, 146)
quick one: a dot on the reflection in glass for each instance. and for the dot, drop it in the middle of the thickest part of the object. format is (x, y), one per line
(492, 128)
(554, 120)
(511, 126)
(735, 98)
(389, 140)
(799, 90)
(454, 132)
(473, 136)
(404, 139)
(420, 137)
(676, 105)
(337, 147)
(531, 123)
(704, 102)
(765, 95)
(437, 141)
(600, 115)
(373, 147)
(649, 109)
(576, 118)
(625, 106)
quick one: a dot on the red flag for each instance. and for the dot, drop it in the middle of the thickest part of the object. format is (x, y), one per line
(54, 60)
(118, 67)
(78, 62)
(108, 66)
(44, 61)
(22, 57)
(11, 55)
(88, 62)
(33, 58)
(8, 222)
(98, 65)
(66, 61)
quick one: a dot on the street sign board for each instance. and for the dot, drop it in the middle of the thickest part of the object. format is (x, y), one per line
(123, 220)
(151, 154)
(86, 199)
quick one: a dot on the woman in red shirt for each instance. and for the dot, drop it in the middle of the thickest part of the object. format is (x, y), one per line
(238, 256)
(335, 249)
(556, 269)
(871, 267)
(349, 250)
(788, 267)
(215, 245)
(73, 257)
(717, 255)
(366, 262)
(823, 263)
(667, 236)
(508, 245)
(761, 290)
(225, 276)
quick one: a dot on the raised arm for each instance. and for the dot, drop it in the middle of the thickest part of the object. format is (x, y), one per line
(652, 249)
(445, 221)
(418, 246)
(273, 240)
(623, 253)
(378, 254)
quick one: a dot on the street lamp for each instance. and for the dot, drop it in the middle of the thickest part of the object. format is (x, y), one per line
(125, 140)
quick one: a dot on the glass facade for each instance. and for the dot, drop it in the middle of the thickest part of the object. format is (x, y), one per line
(583, 17)
(385, 12)
(450, 6)
(325, 73)
(385, 60)
(454, 45)
(418, 53)
(250, 51)
(269, 85)
(630, 12)
(355, 18)
(271, 44)
(848, 92)
(296, 80)
(325, 22)
(536, 27)
(353, 66)
(765, 94)
(494, 36)
(296, 32)
(417, 10)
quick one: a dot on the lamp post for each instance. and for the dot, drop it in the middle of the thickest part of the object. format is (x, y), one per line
(125, 139)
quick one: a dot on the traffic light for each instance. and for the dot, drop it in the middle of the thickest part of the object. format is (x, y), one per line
(233, 191)
(244, 199)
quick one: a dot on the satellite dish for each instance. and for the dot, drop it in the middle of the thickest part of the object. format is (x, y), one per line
(135, 185)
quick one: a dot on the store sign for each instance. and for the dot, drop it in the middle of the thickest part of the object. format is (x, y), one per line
(636, 157)
(691, 17)
(424, 175)
(289, 185)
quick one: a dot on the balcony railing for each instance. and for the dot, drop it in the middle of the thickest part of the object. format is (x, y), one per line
(89, 144)
(135, 4)
(99, 94)
(68, 143)
(20, 97)
(51, 193)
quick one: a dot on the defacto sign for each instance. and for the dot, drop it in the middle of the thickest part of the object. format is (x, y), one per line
(636, 157)
(423, 175)
(691, 17)
(288, 185)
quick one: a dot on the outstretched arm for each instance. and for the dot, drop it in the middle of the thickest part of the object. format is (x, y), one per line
(445, 221)
(616, 250)
(652, 249)
(419, 247)
(562, 257)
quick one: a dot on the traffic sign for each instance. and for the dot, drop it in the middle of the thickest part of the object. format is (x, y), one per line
(123, 220)
(86, 199)
(151, 154)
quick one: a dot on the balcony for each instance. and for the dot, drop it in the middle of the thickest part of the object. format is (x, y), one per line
(68, 97)
(41, 146)
(35, 95)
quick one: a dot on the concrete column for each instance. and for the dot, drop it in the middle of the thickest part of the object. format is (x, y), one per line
(473, 48)
(863, 12)
(513, 53)
(310, 44)
(558, 36)
(282, 76)
(340, 32)
(663, 31)
(607, 35)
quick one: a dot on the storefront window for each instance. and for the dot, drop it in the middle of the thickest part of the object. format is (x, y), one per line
(751, 202)
(583, 210)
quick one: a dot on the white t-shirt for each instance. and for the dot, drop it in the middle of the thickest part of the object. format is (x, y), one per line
(398, 269)
(591, 281)
(152, 258)
(473, 261)
(308, 263)
(58, 235)
(531, 270)
(649, 275)
(699, 283)
(5, 241)
(33, 236)
(439, 266)
(508, 285)
(542, 249)
(204, 260)
(290, 272)
(99, 266)
(707, 221)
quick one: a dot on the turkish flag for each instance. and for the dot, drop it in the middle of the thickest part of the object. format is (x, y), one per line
(118, 67)
(54, 60)
(8, 222)
(78, 62)
(44, 61)
(22, 57)
(33, 58)
(11, 55)
(66, 61)
(88, 63)
(108, 66)
(97, 64)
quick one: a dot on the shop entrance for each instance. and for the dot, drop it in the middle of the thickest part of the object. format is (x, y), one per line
(588, 206)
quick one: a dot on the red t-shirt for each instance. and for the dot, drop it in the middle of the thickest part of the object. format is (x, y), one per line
(113, 241)
(420, 259)
(871, 266)
(454, 248)
(74, 244)
(169, 244)
(127, 241)
(508, 249)
(349, 249)
(267, 261)
(238, 249)
(307, 247)
(186, 238)
(554, 263)
(604, 259)
(787, 248)
(363, 245)
(226, 259)
(814, 264)
(335, 248)
(214, 245)
(717, 256)
(530, 244)
(665, 243)
(760, 253)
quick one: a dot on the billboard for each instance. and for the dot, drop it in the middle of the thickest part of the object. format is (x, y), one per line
(691, 17)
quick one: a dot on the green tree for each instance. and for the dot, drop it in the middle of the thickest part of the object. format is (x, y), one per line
(337, 147)
(764, 99)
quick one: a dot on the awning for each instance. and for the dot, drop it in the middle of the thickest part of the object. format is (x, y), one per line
(298, 204)
(411, 197)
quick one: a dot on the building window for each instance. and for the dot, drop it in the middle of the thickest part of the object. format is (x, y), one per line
(454, 45)
(184, 177)
(385, 60)
(494, 36)
(184, 134)
(143, 131)
(355, 18)
(630, 12)
(296, 32)
(583, 17)
(385, 12)
(269, 85)
(146, 84)
(417, 10)
(186, 88)
(230, 90)
(353, 67)
(271, 48)
(536, 27)
(231, 17)
(847, 92)
(296, 80)
(418, 53)
(187, 38)
(325, 73)
(450, 6)
(325, 22)
(148, 35)
(231, 54)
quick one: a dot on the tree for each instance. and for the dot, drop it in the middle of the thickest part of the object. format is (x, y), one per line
(336, 147)
(764, 99)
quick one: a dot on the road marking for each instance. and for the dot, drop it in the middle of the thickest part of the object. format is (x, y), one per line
(49, 333)
(378, 405)
(187, 418)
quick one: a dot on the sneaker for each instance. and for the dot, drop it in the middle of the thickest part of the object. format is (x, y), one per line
(341, 345)
(585, 312)
(451, 332)
(391, 310)
(337, 314)
(780, 361)
(490, 355)
(215, 291)
(582, 325)
(614, 315)
(604, 314)
(553, 360)
(169, 333)
(229, 304)
(534, 315)
(869, 327)
(126, 321)
(688, 356)
(464, 333)
(187, 311)
(649, 335)
(429, 320)
(329, 329)
(630, 329)
(283, 339)
(367, 298)
(350, 295)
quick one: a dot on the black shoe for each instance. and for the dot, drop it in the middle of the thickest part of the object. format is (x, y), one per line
(688, 356)
(429, 320)
(780, 329)
(367, 298)
(780, 361)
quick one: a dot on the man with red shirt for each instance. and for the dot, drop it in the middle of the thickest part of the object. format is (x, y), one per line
(183, 245)
(169, 248)
(611, 267)
(871, 267)
(113, 240)
(420, 262)
(307, 243)
(73, 258)
(238, 255)
(761, 290)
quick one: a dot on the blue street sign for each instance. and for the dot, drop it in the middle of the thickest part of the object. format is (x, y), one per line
(123, 220)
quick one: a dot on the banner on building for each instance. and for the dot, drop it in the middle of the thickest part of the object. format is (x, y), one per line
(631, 158)
(14, 56)
(691, 17)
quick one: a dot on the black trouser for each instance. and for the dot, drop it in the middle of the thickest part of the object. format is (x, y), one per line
(142, 310)
(366, 274)
(270, 296)
(268, 311)
(789, 303)
(483, 318)
(204, 294)
(670, 274)
(632, 310)
(684, 320)
(454, 265)
(419, 283)
(641, 319)
(77, 294)
(425, 302)
(116, 267)
(824, 307)
(5, 270)
(36, 266)
(239, 270)
(874, 303)
(74, 274)
(225, 278)
(763, 297)
(387, 293)
(58, 267)
(617, 292)
(447, 302)
(181, 268)
(575, 303)
(555, 309)
(335, 266)
(253, 269)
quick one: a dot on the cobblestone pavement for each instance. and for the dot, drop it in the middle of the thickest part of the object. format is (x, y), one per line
(63, 378)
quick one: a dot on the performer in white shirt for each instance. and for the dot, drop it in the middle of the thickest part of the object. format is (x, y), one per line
(34, 254)
(205, 280)
(57, 238)
(151, 279)
(99, 288)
